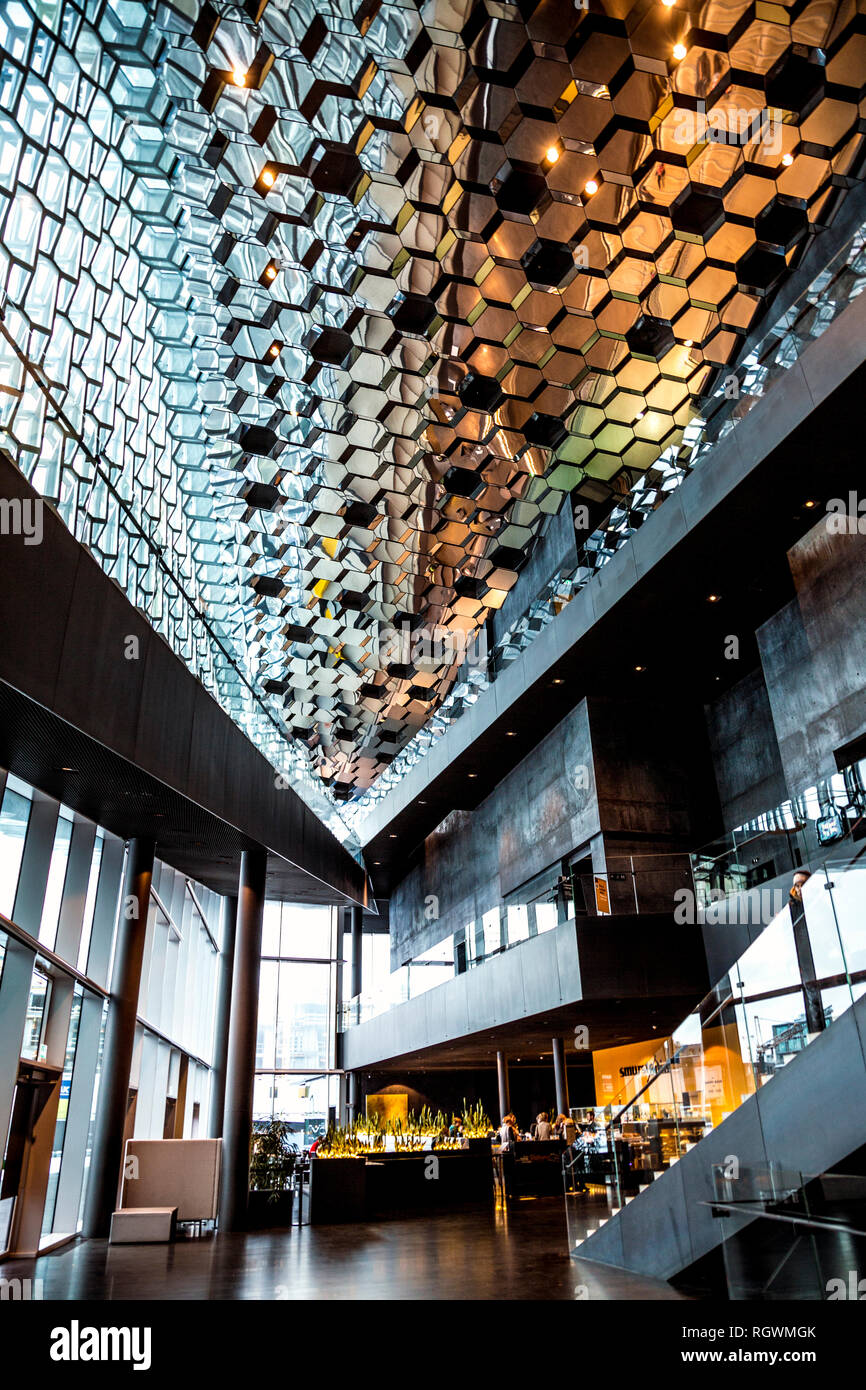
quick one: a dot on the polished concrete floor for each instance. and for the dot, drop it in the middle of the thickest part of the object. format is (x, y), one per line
(516, 1254)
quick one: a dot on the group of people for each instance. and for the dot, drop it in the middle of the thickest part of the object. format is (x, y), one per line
(541, 1129)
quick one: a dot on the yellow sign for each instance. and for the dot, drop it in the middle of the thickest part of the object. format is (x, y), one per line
(602, 897)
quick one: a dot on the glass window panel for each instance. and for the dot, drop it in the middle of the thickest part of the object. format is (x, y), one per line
(14, 815)
(302, 1033)
(37, 1008)
(56, 880)
(306, 931)
(90, 901)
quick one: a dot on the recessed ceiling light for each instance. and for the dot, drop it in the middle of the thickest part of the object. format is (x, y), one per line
(268, 177)
(239, 77)
(392, 837)
(680, 51)
(690, 342)
(275, 349)
(787, 160)
(552, 155)
(270, 271)
(713, 598)
(809, 503)
(472, 774)
(668, 4)
(640, 668)
(558, 680)
(590, 187)
(511, 733)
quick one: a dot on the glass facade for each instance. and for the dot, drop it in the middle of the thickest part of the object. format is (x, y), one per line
(296, 1077)
(62, 876)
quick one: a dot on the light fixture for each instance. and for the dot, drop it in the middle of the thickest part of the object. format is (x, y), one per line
(787, 160)
(713, 598)
(392, 836)
(274, 350)
(690, 342)
(640, 668)
(268, 176)
(680, 51)
(271, 271)
(239, 77)
(472, 774)
(810, 503)
(511, 733)
(668, 4)
(552, 154)
(590, 187)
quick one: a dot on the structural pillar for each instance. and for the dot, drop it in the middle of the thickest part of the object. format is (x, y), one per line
(228, 925)
(560, 1076)
(502, 1079)
(816, 1020)
(241, 1051)
(107, 1151)
(357, 950)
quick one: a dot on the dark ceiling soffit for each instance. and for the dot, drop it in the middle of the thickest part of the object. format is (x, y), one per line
(154, 752)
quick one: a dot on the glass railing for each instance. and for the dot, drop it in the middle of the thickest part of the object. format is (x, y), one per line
(635, 884)
(777, 842)
(735, 393)
(800, 974)
(791, 1235)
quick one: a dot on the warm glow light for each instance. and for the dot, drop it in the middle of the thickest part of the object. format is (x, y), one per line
(590, 187)
(689, 342)
(268, 177)
(239, 77)
(787, 160)
(640, 668)
(810, 503)
(271, 272)
(713, 598)
(552, 155)
(668, 3)
(679, 51)
(274, 350)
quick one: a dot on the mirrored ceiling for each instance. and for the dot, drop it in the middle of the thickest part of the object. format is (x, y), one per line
(317, 313)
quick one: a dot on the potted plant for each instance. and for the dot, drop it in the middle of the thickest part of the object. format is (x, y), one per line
(273, 1158)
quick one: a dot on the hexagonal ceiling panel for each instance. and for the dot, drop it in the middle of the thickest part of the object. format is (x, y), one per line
(447, 267)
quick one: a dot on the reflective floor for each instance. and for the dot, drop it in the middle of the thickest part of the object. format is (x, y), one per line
(514, 1254)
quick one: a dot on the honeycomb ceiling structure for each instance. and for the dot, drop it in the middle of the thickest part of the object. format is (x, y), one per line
(440, 270)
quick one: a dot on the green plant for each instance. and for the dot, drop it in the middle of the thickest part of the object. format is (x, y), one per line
(273, 1158)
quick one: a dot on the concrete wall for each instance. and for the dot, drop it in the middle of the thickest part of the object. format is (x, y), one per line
(543, 809)
(626, 771)
(748, 768)
(812, 653)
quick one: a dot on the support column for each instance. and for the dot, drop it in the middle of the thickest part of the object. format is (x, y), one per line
(107, 1152)
(357, 950)
(502, 1079)
(228, 923)
(560, 1076)
(241, 1054)
(357, 927)
(816, 1020)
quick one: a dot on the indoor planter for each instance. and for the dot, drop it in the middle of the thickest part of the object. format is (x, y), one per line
(273, 1158)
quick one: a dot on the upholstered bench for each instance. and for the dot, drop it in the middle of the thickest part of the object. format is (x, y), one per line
(137, 1225)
